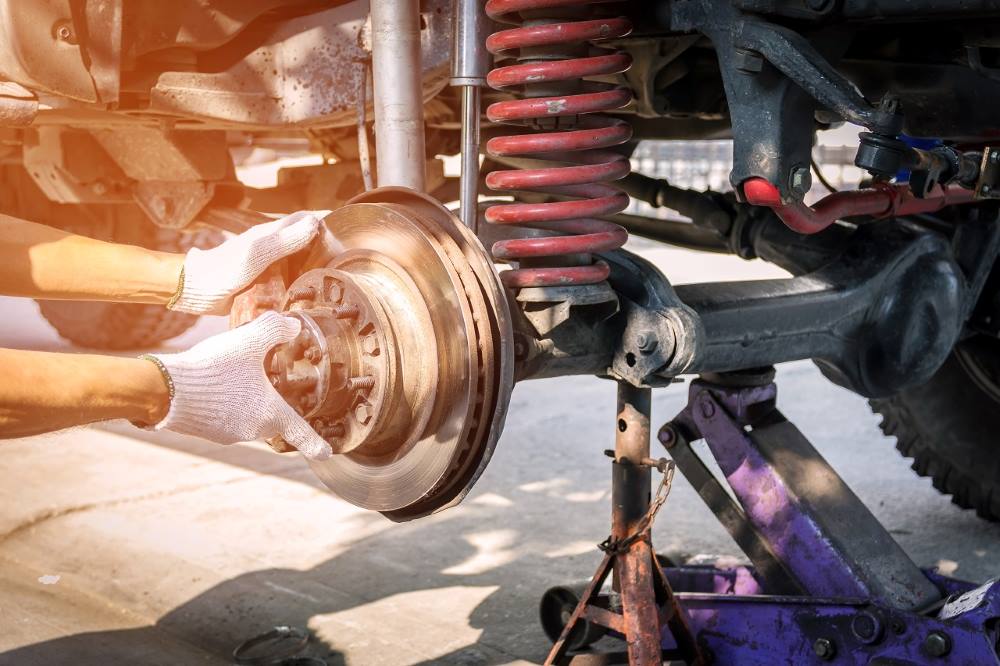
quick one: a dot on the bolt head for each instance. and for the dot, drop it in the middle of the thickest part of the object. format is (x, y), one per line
(707, 408)
(994, 156)
(866, 627)
(801, 180)
(824, 649)
(64, 32)
(937, 644)
(363, 413)
(313, 355)
(646, 341)
(369, 345)
(668, 436)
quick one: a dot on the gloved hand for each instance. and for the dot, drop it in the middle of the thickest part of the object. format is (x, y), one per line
(220, 391)
(212, 277)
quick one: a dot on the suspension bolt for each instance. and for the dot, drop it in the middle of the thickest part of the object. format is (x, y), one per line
(825, 649)
(937, 644)
(646, 341)
(800, 181)
(668, 436)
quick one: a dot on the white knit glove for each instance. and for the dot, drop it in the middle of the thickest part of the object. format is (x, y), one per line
(212, 277)
(220, 391)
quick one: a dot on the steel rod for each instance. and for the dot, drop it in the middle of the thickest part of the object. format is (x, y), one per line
(364, 156)
(469, 64)
(469, 192)
(398, 93)
(630, 488)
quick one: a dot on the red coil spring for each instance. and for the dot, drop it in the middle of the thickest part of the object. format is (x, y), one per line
(576, 141)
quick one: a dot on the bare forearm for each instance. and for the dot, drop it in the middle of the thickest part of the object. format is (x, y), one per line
(44, 262)
(43, 391)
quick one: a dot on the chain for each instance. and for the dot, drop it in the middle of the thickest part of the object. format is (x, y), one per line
(645, 524)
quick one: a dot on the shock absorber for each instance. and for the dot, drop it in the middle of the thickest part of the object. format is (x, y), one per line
(551, 49)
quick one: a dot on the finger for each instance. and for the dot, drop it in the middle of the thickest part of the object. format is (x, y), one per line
(299, 434)
(295, 236)
(272, 329)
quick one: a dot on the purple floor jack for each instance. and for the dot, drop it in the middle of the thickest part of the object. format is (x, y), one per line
(828, 583)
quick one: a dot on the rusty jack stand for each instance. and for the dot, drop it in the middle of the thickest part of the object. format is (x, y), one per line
(647, 602)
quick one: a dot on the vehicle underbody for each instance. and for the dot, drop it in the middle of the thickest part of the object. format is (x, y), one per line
(120, 119)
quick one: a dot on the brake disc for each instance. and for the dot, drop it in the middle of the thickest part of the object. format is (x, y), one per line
(404, 364)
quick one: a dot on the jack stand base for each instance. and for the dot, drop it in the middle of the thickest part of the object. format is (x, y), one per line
(647, 604)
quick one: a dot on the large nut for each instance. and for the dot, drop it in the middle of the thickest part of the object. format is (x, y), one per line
(369, 345)
(363, 413)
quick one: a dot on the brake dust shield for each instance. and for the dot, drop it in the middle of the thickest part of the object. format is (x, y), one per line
(404, 364)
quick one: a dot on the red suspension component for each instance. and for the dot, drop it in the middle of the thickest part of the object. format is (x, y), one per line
(881, 200)
(552, 59)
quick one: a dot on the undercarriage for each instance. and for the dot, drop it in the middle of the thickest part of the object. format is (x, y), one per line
(121, 120)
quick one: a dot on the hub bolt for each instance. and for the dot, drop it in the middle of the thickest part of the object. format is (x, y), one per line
(361, 383)
(313, 355)
(345, 311)
(825, 649)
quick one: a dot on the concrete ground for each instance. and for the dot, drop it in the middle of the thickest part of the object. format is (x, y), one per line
(119, 546)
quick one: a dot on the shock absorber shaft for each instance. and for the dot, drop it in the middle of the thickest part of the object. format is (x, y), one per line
(552, 62)
(470, 63)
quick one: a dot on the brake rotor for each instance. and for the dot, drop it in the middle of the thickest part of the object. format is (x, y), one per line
(404, 364)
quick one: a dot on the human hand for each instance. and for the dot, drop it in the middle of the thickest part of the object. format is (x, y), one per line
(212, 277)
(220, 391)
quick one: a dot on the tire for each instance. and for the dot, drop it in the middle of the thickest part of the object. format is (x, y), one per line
(127, 326)
(949, 426)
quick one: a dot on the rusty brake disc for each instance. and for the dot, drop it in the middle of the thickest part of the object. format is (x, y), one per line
(404, 364)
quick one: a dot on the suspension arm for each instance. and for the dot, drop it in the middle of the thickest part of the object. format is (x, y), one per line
(882, 314)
